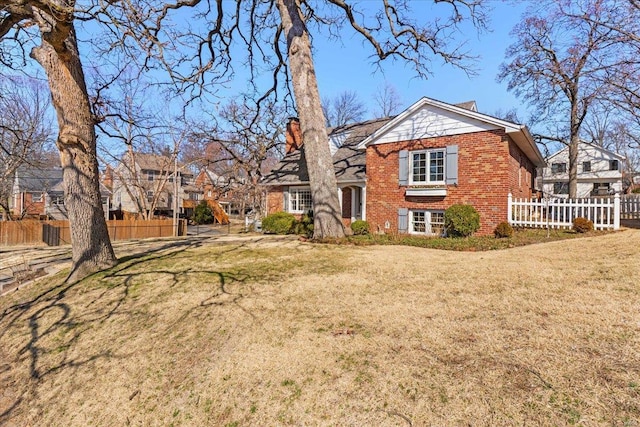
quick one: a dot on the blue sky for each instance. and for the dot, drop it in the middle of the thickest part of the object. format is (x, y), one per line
(349, 67)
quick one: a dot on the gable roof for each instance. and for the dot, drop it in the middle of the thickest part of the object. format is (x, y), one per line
(597, 147)
(29, 179)
(415, 123)
(348, 160)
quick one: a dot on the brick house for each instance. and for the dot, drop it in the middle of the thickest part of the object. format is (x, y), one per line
(401, 173)
(39, 193)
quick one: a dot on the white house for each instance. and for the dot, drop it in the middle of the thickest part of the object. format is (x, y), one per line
(599, 172)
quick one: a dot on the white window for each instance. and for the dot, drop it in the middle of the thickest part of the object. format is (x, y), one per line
(427, 167)
(430, 223)
(57, 200)
(36, 197)
(300, 200)
(150, 175)
(149, 196)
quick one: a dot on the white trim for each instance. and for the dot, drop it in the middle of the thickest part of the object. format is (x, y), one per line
(519, 133)
(428, 223)
(427, 180)
(296, 190)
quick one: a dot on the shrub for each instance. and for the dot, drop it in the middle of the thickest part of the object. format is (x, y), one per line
(305, 225)
(360, 227)
(461, 220)
(636, 190)
(279, 223)
(203, 213)
(503, 230)
(582, 225)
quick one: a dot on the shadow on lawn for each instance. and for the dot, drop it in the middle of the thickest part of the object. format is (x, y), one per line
(52, 315)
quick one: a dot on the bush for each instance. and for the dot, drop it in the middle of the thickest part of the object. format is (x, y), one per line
(582, 225)
(279, 223)
(636, 190)
(203, 213)
(304, 227)
(503, 230)
(461, 220)
(360, 227)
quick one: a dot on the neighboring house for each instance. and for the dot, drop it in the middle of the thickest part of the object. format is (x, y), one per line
(599, 172)
(39, 193)
(145, 181)
(401, 173)
(225, 190)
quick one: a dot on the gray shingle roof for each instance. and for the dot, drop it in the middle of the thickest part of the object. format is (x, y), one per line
(348, 161)
(38, 180)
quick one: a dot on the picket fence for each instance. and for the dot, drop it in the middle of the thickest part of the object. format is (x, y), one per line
(560, 213)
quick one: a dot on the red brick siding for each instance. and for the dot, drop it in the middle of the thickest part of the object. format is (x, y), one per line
(485, 175)
(521, 173)
(275, 200)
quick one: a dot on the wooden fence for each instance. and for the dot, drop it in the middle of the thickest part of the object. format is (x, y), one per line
(56, 233)
(630, 206)
(560, 213)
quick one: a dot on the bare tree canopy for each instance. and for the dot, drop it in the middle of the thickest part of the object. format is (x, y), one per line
(563, 62)
(25, 130)
(344, 108)
(387, 100)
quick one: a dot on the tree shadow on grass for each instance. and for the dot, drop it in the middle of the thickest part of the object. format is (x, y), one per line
(61, 316)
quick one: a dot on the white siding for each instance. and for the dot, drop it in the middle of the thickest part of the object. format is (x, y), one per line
(431, 121)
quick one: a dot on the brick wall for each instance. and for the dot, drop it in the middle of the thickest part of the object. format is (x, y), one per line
(275, 200)
(487, 171)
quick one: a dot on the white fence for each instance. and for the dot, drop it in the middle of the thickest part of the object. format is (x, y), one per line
(630, 206)
(560, 213)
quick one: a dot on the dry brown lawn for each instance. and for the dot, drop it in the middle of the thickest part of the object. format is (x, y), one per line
(278, 332)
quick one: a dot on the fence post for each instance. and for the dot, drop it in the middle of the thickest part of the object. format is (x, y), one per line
(509, 208)
(616, 211)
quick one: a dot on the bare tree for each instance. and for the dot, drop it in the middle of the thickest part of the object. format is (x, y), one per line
(387, 100)
(25, 131)
(344, 108)
(560, 64)
(243, 146)
(24, 23)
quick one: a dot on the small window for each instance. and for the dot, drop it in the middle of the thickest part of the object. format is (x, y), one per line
(560, 188)
(36, 197)
(430, 223)
(150, 176)
(149, 196)
(427, 167)
(586, 166)
(614, 165)
(57, 200)
(300, 200)
(209, 193)
(558, 167)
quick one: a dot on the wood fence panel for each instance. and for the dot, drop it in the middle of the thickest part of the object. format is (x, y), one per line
(31, 232)
(630, 206)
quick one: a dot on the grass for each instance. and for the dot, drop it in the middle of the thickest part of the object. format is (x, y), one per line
(273, 331)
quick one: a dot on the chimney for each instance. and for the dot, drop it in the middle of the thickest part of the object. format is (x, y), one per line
(107, 178)
(293, 136)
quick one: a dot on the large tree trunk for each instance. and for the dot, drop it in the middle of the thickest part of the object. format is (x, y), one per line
(322, 178)
(91, 247)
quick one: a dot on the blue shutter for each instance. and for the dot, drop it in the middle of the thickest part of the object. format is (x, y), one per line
(451, 168)
(403, 220)
(403, 167)
(285, 198)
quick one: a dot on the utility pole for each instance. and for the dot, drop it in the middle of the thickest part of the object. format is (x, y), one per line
(175, 195)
